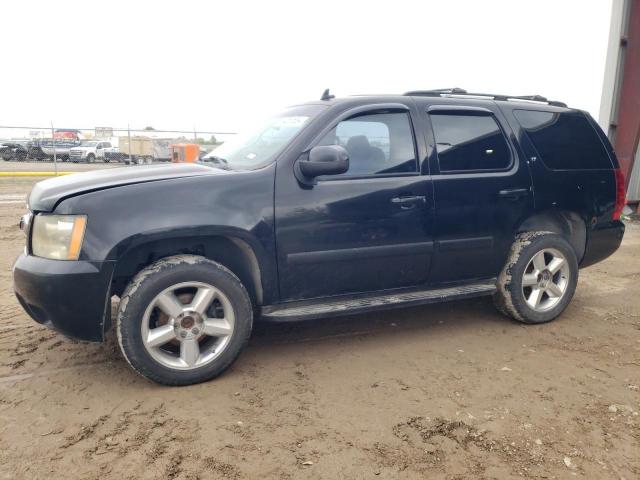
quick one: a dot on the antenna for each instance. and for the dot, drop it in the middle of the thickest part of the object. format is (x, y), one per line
(326, 95)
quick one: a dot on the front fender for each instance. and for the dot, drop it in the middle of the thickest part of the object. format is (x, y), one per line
(238, 205)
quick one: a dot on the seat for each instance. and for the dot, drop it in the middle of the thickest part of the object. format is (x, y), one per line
(363, 158)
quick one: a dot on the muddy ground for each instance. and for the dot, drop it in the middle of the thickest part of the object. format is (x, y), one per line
(448, 391)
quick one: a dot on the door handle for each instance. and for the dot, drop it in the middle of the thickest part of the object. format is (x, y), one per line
(408, 201)
(514, 193)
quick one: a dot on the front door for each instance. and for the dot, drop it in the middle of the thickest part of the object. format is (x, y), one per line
(365, 230)
(482, 192)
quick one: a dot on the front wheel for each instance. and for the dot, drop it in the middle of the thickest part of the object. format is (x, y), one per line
(539, 279)
(184, 320)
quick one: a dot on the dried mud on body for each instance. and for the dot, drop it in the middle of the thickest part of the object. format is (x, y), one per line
(447, 391)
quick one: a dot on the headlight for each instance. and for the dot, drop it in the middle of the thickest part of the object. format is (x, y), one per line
(58, 237)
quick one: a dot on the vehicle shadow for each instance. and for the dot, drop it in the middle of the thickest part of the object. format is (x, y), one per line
(459, 315)
(271, 341)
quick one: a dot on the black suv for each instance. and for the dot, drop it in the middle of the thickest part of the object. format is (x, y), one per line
(332, 207)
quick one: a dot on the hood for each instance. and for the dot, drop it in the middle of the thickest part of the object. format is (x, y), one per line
(48, 193)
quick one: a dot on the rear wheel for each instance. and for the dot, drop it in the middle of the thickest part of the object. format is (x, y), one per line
(539, 279)
(183, 320)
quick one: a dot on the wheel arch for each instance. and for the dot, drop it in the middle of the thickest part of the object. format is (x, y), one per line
(566, 223)
(235, 253)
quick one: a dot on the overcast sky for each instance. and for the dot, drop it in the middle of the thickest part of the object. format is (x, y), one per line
(215, 65)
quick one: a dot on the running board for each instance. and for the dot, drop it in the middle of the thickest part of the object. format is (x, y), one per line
(309, 309)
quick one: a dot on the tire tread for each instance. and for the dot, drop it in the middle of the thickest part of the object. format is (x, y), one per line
(138, 281)
(506, 288)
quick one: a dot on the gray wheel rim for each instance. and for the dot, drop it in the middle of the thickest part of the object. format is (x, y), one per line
(545, 280)
(185, 334)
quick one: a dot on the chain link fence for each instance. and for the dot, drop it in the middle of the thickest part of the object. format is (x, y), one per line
(107, 145)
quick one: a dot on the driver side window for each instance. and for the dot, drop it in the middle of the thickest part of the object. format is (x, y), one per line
(377, 144)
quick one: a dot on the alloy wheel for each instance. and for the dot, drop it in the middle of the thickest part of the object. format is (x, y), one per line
(545, 280)
(187, 325)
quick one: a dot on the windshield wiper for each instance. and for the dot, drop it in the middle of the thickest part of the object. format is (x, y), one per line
(219, 161)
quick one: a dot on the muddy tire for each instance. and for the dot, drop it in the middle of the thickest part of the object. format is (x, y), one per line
(183, 320)
(539, 279)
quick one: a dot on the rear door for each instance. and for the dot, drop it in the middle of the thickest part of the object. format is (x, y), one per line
(482, 189)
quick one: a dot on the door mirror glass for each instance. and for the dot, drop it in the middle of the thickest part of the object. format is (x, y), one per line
(325, 160)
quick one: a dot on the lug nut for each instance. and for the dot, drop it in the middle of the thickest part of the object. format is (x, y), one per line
(183, 334)
(195, 331)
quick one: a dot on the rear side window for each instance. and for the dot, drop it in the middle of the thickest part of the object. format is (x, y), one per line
(564, 141)
(469, 142)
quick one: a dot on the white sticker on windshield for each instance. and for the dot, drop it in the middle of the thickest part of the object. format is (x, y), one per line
(251, 156)
(290, 121)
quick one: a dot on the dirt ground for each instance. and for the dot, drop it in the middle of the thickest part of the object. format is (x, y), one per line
(448, 391)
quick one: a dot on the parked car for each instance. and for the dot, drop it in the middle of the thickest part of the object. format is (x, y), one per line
(5, 151)
(59, 148)
(14, 150)
(89, 151)
(35, 152)
(333, 207)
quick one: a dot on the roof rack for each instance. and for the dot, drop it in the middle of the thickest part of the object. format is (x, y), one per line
(448, 92)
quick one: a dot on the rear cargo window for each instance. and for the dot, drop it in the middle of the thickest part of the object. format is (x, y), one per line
(564, 141)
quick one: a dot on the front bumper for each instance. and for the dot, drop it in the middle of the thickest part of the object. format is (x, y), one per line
(72, 297)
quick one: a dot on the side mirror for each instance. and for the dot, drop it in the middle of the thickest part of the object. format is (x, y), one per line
(325, 160)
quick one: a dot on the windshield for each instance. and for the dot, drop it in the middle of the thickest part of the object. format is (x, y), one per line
(88, 144)
(258, 147)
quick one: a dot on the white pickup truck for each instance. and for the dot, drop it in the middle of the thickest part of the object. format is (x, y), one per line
(89, 151)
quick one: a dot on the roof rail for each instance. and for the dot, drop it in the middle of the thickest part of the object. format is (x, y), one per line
(437, 92)
(447, 92)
